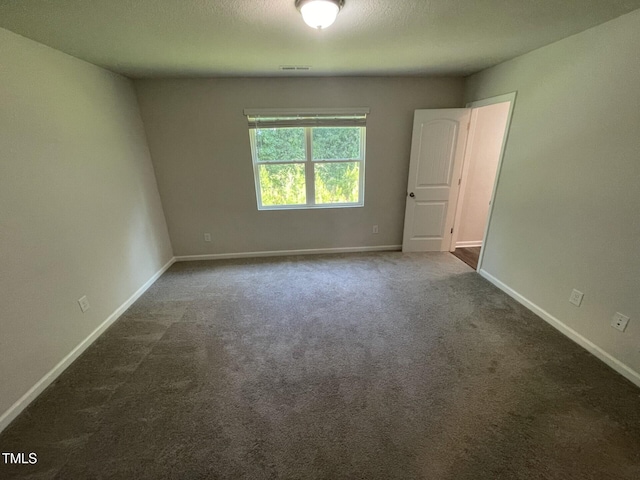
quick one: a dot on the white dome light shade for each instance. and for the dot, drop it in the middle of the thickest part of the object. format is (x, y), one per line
(319, 13)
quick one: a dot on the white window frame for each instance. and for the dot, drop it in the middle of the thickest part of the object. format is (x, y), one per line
(308, 162)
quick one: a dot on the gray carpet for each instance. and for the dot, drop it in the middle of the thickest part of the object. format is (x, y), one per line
(365, 366)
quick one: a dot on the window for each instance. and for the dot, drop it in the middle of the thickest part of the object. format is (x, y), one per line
(303, 160)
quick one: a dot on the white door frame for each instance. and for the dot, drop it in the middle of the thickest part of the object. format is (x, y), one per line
(508, 97)
(462, 181)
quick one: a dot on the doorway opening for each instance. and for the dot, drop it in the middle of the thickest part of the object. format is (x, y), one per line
(481, 161)
(456, 156)
(485, 143)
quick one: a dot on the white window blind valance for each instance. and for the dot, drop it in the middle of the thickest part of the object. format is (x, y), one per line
(271, 118)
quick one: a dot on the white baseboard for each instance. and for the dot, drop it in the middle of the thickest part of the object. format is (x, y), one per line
(477, 243)
(7, 417)
(592, 348)
(282, 253)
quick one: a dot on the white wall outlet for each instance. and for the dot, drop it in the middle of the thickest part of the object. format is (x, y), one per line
(375, 229)
(576, 297)
(619, 321)
(207, 237)
(84, 304)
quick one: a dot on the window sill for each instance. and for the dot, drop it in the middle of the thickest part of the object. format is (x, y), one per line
(310, 207)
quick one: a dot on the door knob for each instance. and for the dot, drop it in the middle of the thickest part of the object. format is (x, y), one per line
(412, 194)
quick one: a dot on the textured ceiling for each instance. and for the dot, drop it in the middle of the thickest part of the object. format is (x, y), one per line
(143, 38)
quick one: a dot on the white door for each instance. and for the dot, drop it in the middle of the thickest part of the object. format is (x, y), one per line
(437, 151)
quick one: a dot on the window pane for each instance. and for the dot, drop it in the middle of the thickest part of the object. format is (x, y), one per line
(337, 182)
(336, 143)
(280, 144)
(282, 184)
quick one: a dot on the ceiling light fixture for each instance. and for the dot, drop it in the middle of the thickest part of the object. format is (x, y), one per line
(319, 14)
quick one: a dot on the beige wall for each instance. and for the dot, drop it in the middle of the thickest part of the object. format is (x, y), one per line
(481, 161)
(567, 206)
(80, 213)
(199, 142)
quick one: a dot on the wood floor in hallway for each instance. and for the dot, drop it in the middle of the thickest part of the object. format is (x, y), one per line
(469, 255)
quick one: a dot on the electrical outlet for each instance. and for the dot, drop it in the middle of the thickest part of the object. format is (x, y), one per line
(576, 297)
(84, 304)
(375, 229)
(207, 237)
(619, 321)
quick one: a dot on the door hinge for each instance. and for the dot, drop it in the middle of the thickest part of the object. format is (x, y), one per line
(459, 181)
(452, 230)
